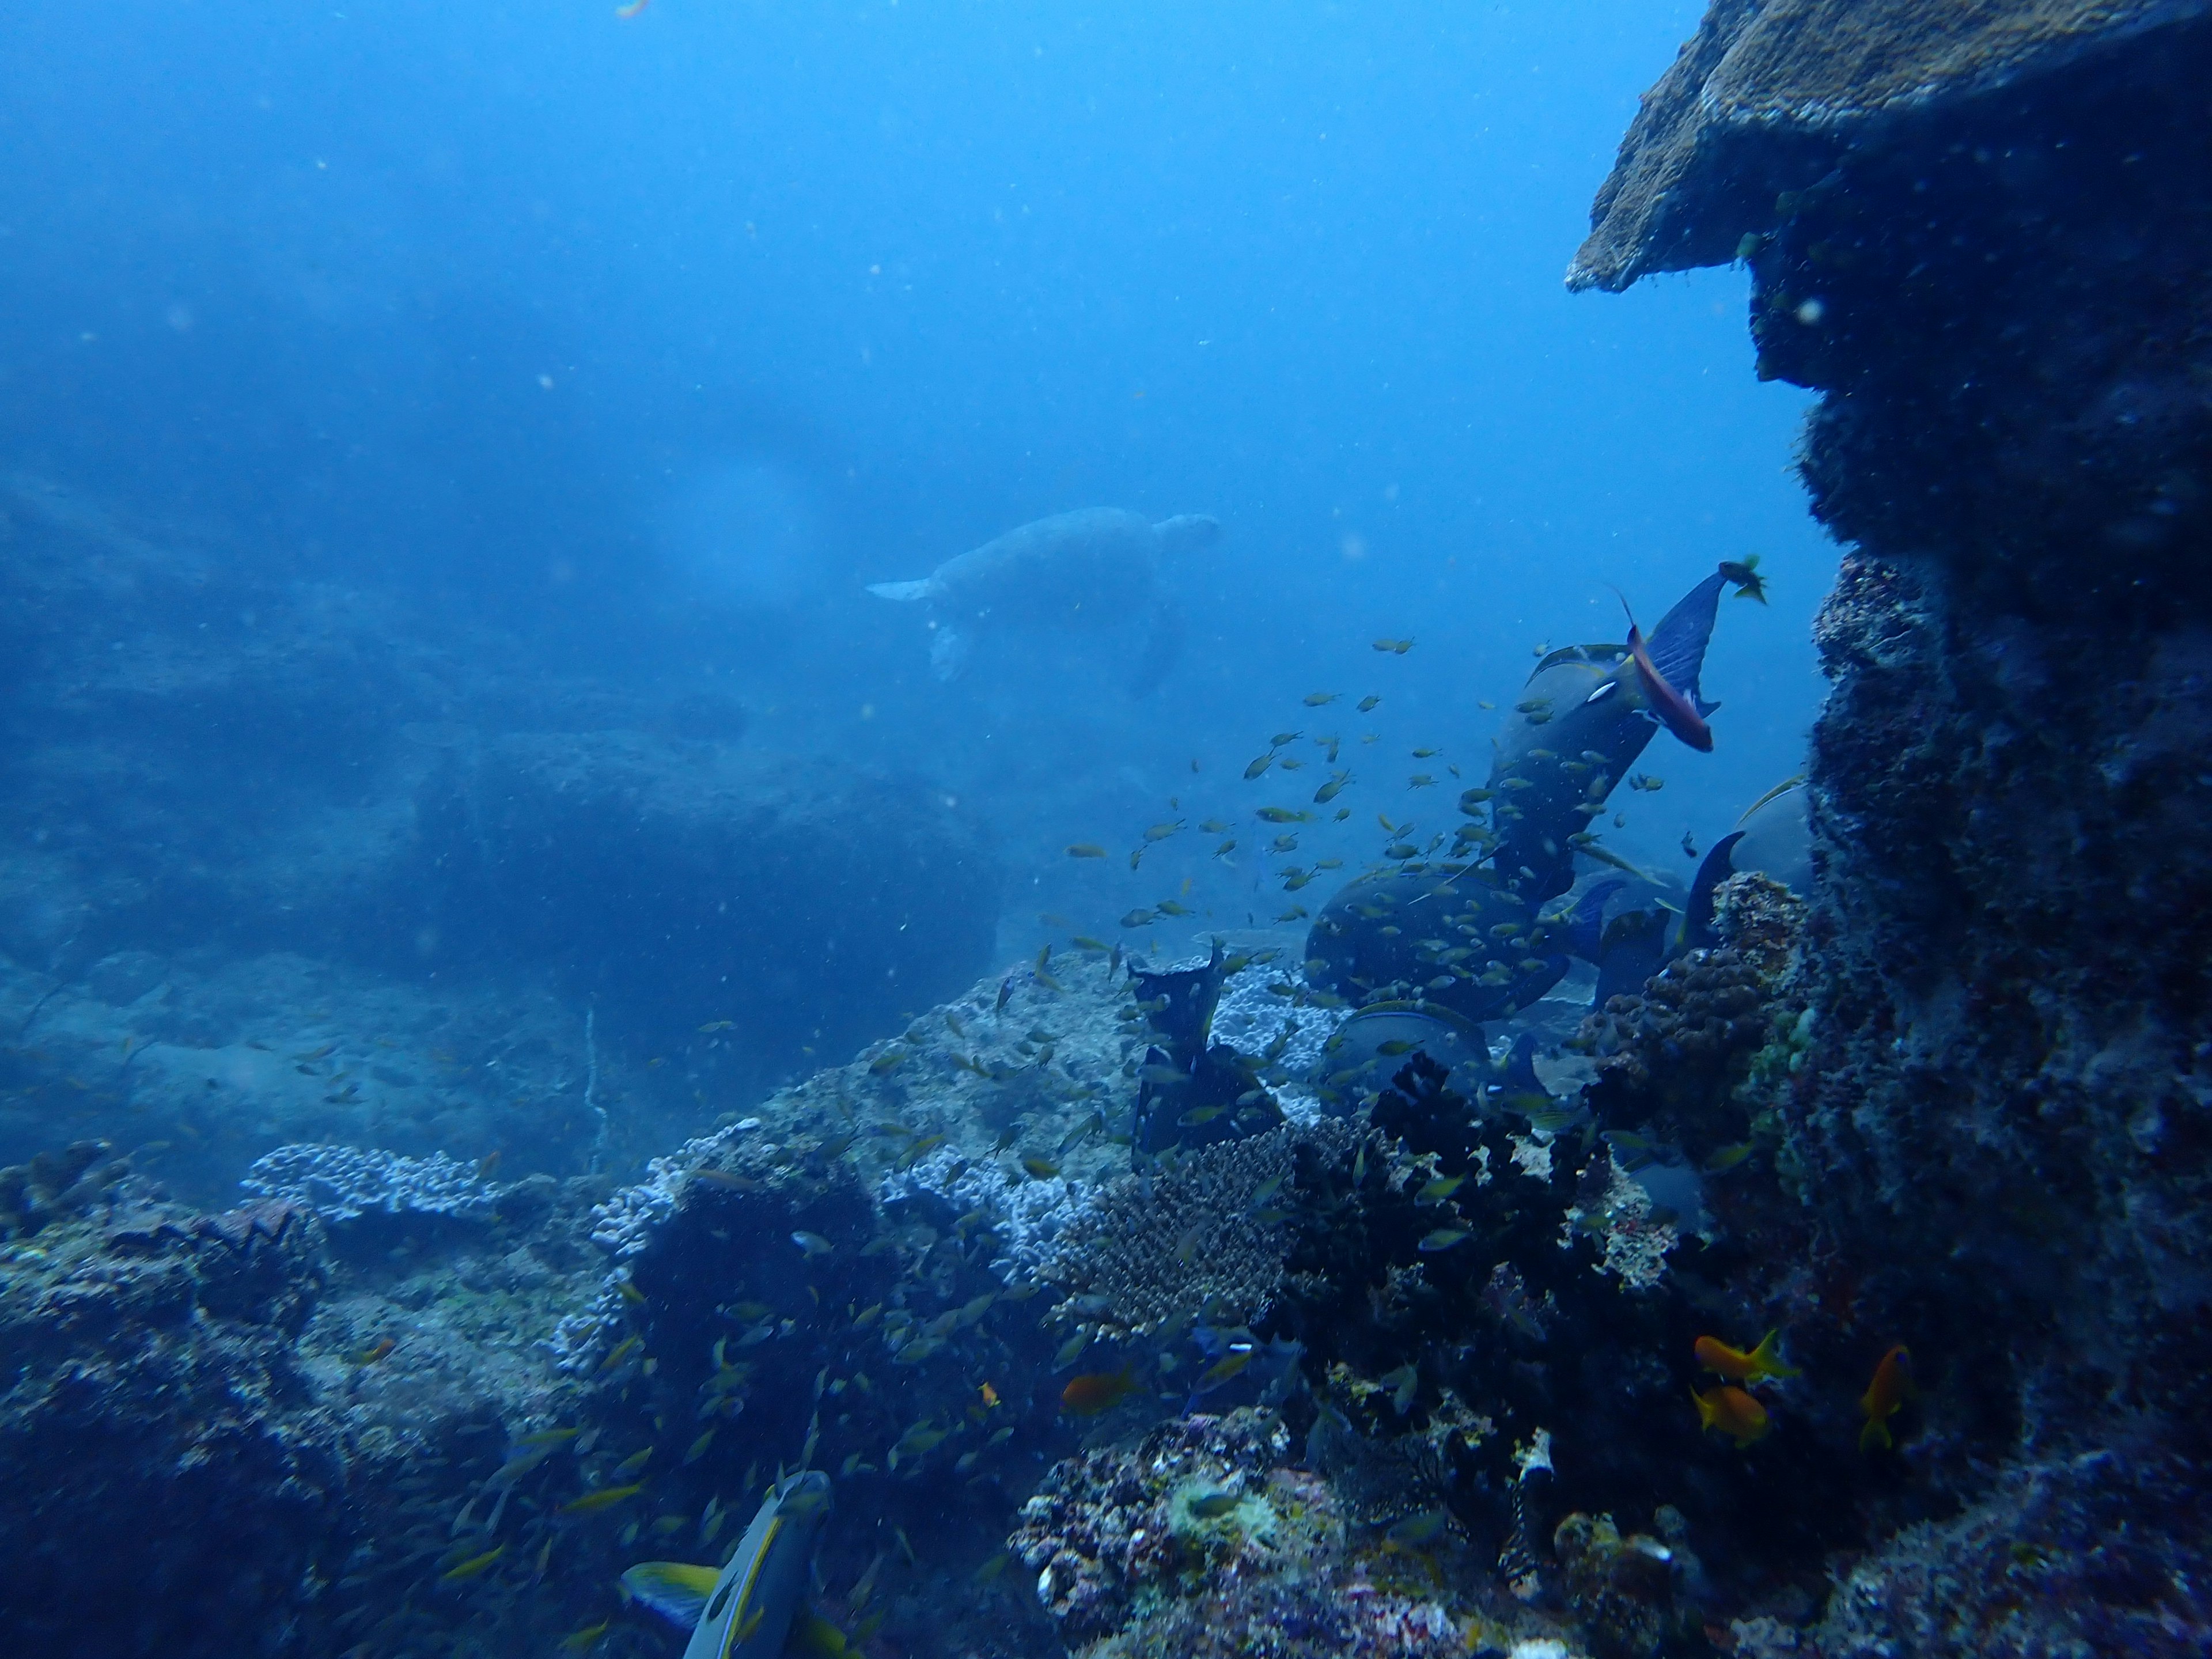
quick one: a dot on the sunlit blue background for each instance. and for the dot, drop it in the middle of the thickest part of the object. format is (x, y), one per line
(649, 341)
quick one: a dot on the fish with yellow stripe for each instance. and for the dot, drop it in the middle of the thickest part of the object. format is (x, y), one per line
(747, 1609)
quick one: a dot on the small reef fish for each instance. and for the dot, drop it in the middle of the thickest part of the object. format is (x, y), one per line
(1396, 647)
(472, 1566)
(1892, 1384)
(1405, 1385)
(1042, 1169)
(1744, 573)
(374, 1352)
(1673, 710)
(1086, 849)
(1214, 1505)
(1444, 1238)
(585, 1640)
(1319, 698)
(1734, 1413)
(605, 1497)
(1741, 1365)
(813, 1243)
(621, 1352)
(1097, 1391)
(630, 9)
(1418, 1531)
(747, 1610)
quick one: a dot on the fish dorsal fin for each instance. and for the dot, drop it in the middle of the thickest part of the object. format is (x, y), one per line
(1677, 644)
(676, 1590)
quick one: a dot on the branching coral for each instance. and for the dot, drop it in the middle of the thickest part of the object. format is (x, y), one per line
(1188, 1233)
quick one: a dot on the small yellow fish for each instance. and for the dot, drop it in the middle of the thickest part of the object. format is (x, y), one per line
(1042, 1168)
(1318, 699)
(604, 1497)
(585, 1639)
(472, 1566)
(1439, 1189)
(697, 1449)
(633, 1463)
(1444, 1238)
(1162, 832)
(1086, 849)
(621, 1351)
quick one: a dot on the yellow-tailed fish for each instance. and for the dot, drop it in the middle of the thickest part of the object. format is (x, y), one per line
(604, 1497)
(472, 1566)
(745, 1611)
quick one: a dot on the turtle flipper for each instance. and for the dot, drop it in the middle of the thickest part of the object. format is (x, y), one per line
(950, 648)
(1162, 647)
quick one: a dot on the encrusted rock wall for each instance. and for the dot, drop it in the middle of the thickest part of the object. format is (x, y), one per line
(1983, 242)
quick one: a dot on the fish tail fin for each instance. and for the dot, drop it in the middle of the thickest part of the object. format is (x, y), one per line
(1767, 1356)
(1876, 1433)
(1705, 1413)
(1677, 644)
(928, 587)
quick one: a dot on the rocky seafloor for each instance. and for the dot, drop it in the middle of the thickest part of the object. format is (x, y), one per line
(1423, 1373)
(399, 1404)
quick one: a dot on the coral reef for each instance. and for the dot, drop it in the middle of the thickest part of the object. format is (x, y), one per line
(1199, 1540)
(1187, 1235)
(151, 1375)
(339, 1183)
(1975, 234)
(54, 1185)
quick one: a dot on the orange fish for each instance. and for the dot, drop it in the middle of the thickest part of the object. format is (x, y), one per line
(1893, 1381)
(1097, 1391)
(990, 1396)
(1734, 1413)
(1739, 1366)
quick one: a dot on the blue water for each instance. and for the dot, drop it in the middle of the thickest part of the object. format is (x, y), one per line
(629, 349)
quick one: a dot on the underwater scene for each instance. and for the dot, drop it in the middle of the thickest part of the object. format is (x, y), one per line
(930, 830)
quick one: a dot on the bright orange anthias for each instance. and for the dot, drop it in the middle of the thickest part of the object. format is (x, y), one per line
(1734, 1413)
(1891, 1387)
(1738, 1365)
